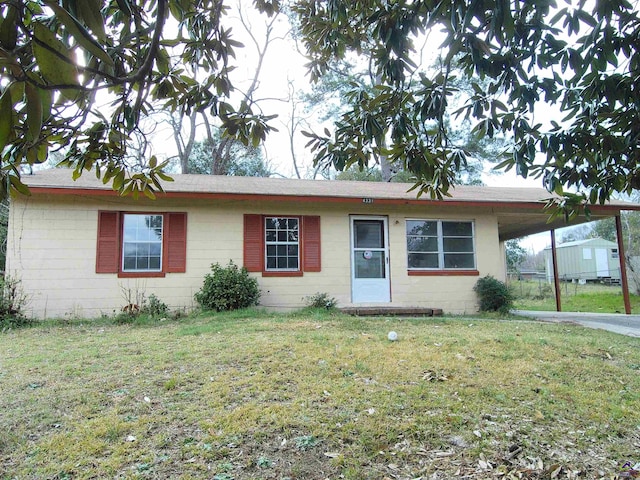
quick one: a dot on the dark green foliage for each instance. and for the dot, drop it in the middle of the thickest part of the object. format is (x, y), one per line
(142, 310)
(12, 302)
(228, 288)
(125, 317)
(519, 58)
(155, 307)
(226, 156)
(58, 56)
(494, 295)
(322, 300)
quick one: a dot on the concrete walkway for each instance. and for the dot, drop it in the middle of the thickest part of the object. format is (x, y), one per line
(613, 322)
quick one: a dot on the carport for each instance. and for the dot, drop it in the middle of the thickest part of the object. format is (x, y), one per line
(522, 220)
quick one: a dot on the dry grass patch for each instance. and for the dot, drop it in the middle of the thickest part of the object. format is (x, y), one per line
(315, 396)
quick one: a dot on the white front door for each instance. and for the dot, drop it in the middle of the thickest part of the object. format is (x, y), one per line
(602, 262)
(369, 260)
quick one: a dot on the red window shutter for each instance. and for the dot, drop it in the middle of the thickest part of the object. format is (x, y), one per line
(108, 248)
(253, 243)
(312, 261)
(175, 231)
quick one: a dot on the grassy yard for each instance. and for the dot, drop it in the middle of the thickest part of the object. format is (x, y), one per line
(315, 396)
(595, 298)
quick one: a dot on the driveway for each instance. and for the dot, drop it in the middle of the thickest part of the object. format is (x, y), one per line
(613, 322)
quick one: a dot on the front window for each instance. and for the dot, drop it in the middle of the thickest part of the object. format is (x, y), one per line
(282, 245)
(142, 243)
(440, 245)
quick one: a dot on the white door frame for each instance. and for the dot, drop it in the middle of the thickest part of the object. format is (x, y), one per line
(370, 290)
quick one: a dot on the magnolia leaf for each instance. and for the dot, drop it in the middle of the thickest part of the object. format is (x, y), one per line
(164, 176)
(156, 182)
(148, 192)
(77, 30)
(48, 50)
(6, 118)
(32, 155)
(118, 180)
(9, 29)
(17, 91)
(332, 454)
(42, 152)
(126, 188)
(18, 185)
(46, 99)
(34, 112)
(124, 6)
(90, 12)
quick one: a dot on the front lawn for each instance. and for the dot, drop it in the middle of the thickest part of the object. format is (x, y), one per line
(591, 297)
(314, 396)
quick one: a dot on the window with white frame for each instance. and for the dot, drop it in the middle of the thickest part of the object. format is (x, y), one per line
(282, 243)
(440, 245)
(142, 243)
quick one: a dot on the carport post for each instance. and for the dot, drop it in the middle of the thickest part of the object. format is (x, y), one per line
(623, 267)
(556, 279)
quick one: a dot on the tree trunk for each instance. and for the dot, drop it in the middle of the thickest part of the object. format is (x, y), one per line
(386, 169)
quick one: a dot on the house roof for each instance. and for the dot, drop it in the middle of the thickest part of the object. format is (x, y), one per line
(519, 210)
(577, 243)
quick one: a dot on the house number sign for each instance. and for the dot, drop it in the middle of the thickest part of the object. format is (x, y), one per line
(367, 200)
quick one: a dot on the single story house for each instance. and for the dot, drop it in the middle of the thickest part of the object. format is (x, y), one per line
(82, 250)
(590, 260)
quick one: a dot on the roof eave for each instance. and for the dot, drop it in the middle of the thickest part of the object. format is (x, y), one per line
(48, 190)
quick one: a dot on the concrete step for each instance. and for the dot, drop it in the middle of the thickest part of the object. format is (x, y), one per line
(392, 311)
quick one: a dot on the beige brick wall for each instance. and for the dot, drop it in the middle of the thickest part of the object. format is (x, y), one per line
(52, 247)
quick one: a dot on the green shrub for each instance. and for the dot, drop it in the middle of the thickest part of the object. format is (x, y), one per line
(228, 288)
(126, 317)
(12, 302)
(494, 295)
(321, 300)
(155, 307)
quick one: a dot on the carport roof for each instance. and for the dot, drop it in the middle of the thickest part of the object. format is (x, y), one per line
(520, 211)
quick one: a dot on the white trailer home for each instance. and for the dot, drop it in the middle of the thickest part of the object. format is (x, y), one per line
(591, 260)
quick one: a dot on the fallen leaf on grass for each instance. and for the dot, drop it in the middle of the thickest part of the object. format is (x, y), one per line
(484, 464)
(432, 376)
(332, 454)
(554, 470)
(439, 453)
